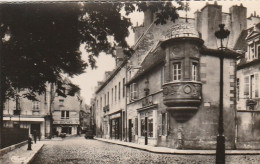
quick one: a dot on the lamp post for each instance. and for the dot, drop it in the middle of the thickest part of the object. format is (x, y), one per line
(220, 150)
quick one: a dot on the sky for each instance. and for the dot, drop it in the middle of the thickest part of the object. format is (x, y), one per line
(88, 81)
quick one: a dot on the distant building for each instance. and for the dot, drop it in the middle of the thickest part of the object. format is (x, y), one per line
(23, 113)
(85, 118)
(66, 114)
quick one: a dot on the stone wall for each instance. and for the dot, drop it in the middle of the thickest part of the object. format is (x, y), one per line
(248, 130)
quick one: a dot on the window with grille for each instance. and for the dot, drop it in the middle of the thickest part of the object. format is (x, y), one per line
(176, 71)
(251, 85)
(194, 71)
(65, 114)
(123, 87)
(133, 91)
(119, 85)
(115, 92)
(36, 105)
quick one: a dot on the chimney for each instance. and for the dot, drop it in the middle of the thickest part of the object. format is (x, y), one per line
(211, 17)
(119, 55)
(238, 23)
(148, 18)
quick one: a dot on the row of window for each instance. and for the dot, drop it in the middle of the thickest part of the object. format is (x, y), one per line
(177, 75)
(115, 94)
(177, 72)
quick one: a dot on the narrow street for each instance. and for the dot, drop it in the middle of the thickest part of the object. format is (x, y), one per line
(81, 150)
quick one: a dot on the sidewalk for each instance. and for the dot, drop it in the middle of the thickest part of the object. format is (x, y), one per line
(165, 150)
(21, 155)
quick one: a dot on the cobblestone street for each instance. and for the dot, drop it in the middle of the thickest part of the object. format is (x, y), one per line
(80, 150)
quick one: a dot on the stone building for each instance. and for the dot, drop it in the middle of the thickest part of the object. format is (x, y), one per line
(173, 77)
(111, 102)
(24, 113)
(65, 113)
(248, 85)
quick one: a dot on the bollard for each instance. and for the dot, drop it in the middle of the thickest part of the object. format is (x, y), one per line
(29, 144)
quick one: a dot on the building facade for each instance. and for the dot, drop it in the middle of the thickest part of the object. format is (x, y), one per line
(173, 82)
(110, 102)
(23, 113)
(248, 83)
(66, 115)
(48, 110)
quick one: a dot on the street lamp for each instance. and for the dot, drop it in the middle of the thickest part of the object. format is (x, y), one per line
(222, 34)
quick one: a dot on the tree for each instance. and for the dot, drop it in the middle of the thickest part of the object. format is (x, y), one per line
(40, 41)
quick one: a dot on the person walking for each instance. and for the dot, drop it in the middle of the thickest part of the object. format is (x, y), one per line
(39, 136)
(35, 136)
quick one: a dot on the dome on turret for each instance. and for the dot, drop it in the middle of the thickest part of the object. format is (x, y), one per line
(184, 29)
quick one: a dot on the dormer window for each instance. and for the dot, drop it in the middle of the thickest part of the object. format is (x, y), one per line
(252, 51)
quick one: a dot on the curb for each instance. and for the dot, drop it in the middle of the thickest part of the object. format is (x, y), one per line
(31, 158)
(12, 147)
(183, 152)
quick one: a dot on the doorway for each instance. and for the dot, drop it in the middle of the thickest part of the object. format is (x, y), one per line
(35, 127)
(130, 130)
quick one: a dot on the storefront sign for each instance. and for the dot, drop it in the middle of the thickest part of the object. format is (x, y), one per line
(66, 122)
(115, 116)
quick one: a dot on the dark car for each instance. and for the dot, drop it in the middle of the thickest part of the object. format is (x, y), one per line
(89, 133)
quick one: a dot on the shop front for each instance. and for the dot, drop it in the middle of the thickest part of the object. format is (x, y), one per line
(65, 126)
(115, 122)
(147, 129)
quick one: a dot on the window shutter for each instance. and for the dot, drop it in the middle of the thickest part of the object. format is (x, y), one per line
(160, 124)
(131, 91)
(246, 87)
(256, 85)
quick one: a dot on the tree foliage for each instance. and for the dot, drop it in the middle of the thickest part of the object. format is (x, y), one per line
(40, 41)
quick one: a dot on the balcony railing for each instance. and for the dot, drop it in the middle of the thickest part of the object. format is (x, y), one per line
(106, 108)
(253, 104)
(182, 98)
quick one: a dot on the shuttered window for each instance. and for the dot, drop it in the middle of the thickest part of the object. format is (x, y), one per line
(257, 85)
(246, 86)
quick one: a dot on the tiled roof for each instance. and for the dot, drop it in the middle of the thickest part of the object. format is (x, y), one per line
(112, 75)
(215, 52)
(244, 63)
(153, 59)
(241, 43)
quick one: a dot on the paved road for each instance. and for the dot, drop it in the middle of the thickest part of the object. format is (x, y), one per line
(78, 150)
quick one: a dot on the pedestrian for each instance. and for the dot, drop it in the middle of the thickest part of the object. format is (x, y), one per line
(39, 135)
(35, 136)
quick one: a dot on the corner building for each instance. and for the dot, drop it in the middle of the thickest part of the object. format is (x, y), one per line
(173, 83)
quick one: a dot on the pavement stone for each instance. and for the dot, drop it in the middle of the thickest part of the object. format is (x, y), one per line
(165, 150)
(78, 150)
(21, 155)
